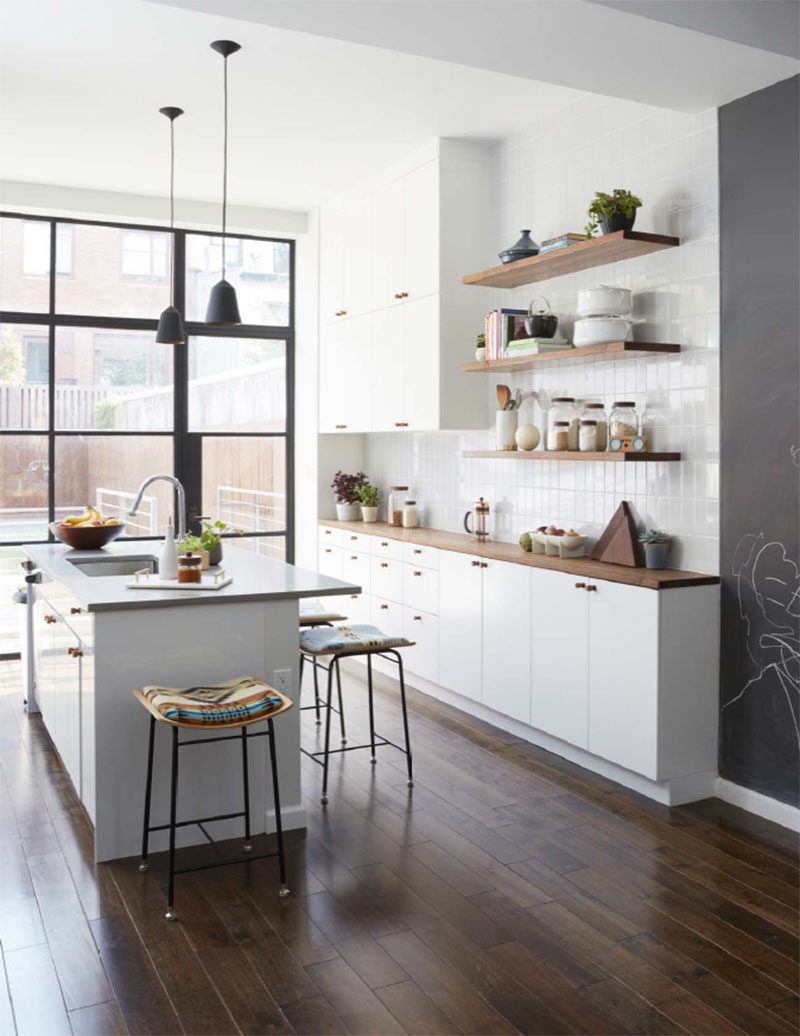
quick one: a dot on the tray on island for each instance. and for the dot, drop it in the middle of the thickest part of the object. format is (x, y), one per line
(208, 581)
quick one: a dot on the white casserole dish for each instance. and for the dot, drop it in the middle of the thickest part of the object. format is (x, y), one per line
(604, 300)
(599, 330)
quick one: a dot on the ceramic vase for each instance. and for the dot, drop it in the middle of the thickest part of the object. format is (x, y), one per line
(369, 514)
(347, 512)
(656, 554)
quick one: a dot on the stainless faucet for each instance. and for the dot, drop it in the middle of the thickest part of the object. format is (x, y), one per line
(181, 524)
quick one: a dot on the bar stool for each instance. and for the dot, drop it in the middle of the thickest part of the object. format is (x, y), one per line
(350, 642)
(225, 706)
(313, 614)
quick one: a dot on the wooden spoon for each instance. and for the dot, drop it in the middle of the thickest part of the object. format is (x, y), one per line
(503, 396)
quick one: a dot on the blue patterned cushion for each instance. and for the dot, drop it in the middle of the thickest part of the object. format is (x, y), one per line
(235, 701)
(324, 640)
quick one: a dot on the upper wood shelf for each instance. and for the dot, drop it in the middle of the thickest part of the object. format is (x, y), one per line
(607, 351)
(597, 251)
(574, 455)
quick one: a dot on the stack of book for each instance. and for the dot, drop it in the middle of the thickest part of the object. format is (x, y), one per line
(562, 241)
(527, 346)
(500, 328)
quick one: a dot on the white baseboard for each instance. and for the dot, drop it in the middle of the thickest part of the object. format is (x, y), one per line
(754, 802)
(292, 818)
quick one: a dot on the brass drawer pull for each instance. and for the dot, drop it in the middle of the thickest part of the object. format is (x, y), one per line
(475, 564)
(49, 618)
(403, 294)
(384, 564)
(580, 586)
(384, 543)
(398, 294)
(401, 424)
(340, 426)
(75, 611)
(354, 537)
(328, 550)
(384, 607)
(417, 550)
(417, 573)
(484, 564)
(354, 557)
(417, 618)
(591, 587)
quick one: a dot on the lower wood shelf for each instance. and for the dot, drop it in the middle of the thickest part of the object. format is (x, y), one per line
(582, 353)
(574, 455)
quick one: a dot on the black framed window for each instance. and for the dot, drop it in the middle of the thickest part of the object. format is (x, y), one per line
(90, 404)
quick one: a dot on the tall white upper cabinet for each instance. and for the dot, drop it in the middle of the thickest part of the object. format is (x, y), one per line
(391, 260)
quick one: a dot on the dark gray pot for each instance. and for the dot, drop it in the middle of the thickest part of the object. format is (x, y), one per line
(656, 554)
(215, 555)
(617, 221)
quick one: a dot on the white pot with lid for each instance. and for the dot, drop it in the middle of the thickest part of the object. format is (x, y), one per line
(599, 330)
(604, 300)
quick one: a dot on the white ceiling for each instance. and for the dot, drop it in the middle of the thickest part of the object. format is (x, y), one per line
(323, 93)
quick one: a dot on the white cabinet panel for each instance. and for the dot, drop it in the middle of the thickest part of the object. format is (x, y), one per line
(623, 675)
(423, 658)
(383, 547)
(357, 609)
(355, 541)
(421, 588)
(88, 787)
(345, 375)
(357, 255)
(387, 246)
(420, 555)
(330, 561)
(355, 568)
(387, 578)
(44, 655)
(460, 622)
(420, 363)
(331, 537)
(331, 266)
(387, 616)
(67, 733)
(560, 656)
(421, 231)
(506, 638)
(388, 393)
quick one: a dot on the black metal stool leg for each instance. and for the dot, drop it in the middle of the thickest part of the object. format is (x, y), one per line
(324, 797)
(173, 799)
(373, 758)
(316, 690)
(341, 703)
(410, 781)
(144, 865)
(276, 799)
(248, 845)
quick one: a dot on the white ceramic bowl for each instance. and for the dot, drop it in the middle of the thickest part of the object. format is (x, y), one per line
(604, 300)
(570, 543)
(599, 330)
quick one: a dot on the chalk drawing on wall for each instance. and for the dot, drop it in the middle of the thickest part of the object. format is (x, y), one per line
(768, 590)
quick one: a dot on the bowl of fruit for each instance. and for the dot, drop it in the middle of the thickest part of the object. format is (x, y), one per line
(87, 531)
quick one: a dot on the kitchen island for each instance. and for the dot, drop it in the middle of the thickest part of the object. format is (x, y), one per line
(95, 639)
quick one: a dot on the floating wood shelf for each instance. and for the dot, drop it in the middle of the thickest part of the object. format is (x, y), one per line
(592, 353)
(615, 458)
(597, 251)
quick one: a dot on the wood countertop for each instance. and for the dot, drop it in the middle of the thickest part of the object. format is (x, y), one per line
(652, 579)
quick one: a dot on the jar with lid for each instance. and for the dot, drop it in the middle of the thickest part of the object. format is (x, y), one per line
(190, 568)
(397, 498)
(596, 412)
(559, 439)
(410, 517)
(587, 438)
(562, 409)
(623, 421)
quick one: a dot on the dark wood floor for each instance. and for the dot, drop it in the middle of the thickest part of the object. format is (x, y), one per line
(510, 892)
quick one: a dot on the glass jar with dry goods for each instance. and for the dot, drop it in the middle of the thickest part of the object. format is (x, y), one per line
(596, 412)
(587, 437)
(623, 421)
(410, 517)
(190, 568)
(562, 409)
(560, 437)
(397, 499)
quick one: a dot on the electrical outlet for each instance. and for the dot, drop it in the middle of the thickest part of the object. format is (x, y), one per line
(282, 681)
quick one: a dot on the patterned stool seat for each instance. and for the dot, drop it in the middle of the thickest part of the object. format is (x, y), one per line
(234, 703)
(312, 613)
(342, 640)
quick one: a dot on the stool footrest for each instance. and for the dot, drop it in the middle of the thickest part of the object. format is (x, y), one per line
(199, 820)
(226, 863)
(351, 748)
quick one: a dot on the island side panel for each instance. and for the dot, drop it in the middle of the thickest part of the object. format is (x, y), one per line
(182, 647)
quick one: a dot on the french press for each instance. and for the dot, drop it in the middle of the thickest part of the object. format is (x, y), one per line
(480, 525)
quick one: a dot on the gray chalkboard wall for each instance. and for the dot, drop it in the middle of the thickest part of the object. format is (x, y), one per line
(760, 448)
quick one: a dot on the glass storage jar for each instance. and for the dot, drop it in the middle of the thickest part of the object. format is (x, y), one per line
(410, 517)
(596, 412)
(397, 498)
(587, 439)
(560, 437)
(623, 421)
(562, 408)
(190, 568)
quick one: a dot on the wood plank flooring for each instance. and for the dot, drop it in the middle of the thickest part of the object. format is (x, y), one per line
(510, 891)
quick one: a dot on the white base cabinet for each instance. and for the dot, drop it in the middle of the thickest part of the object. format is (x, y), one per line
(460, 624)
(506, 630)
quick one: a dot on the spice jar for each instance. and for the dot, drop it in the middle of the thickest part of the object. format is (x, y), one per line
(562, 409)
(410, 518)
(397, 499)
(624, 421)
(587, 439)
(560, 437)
(190, 568)
(596, 412)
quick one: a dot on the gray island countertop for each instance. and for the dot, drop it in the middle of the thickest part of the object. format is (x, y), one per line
(255, 578)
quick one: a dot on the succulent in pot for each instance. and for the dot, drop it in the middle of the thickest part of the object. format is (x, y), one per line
(612, 212)
(369, 498)
(656, 548)
(346, 488)
(542, 322)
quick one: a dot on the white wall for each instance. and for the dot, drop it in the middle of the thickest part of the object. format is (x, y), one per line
(544, 178)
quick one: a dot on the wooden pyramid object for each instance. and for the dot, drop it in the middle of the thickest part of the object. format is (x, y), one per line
(618, 543)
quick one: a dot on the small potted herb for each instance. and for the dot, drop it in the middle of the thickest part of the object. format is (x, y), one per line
(612, 212)
(480, 348)
(346, 488)
(656, 548)
(209, 543)
(369, 496)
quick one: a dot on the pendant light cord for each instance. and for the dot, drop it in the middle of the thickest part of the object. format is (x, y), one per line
(224, 160)
(172, 209)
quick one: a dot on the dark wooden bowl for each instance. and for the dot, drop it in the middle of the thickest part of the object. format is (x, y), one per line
(86, 537)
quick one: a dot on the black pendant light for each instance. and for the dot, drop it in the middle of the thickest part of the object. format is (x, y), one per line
(223, 307)
(170, 324)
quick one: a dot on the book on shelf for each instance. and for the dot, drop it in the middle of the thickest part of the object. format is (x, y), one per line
(530, 346)
(562, 239)
(500, 328)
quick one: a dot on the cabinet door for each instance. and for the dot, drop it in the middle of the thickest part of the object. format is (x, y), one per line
(387, 616)
(560, 656)
(67, 703)
(88, 789)
(331, 266)
(423, 658)
(387, 370)
(331, 378)
(421, 363)
(330, 560)
(345, 376)
(421, 231)
(44, 655)
(357, 253)
(506, 638)
(387, 246)
(355, 568)
(460, 624)
(357, 608)
(623, 675)
(387, 578)
(421, 588)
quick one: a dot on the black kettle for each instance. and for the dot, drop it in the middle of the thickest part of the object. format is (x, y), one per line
(542, 323)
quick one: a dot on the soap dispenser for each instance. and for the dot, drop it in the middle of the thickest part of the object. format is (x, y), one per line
(168, 561)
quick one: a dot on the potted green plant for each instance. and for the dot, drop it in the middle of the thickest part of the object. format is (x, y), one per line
(480, 348)
(346, 488)
(656, 548)
(209, 543)
(369, 497)
(612, 212)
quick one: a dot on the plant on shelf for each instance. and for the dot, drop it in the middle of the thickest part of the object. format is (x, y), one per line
(656, 547)
(369, 498)
(209, 542)
(612, 212)
(480, 348)
(346, 489)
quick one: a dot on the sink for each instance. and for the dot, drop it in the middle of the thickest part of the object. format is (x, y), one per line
(114, 566)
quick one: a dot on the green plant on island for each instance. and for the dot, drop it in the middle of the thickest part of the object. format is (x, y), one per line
(603, 206)
(208, 539)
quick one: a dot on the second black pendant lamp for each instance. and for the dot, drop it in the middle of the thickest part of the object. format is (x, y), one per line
(223, 306)
(170, 324)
